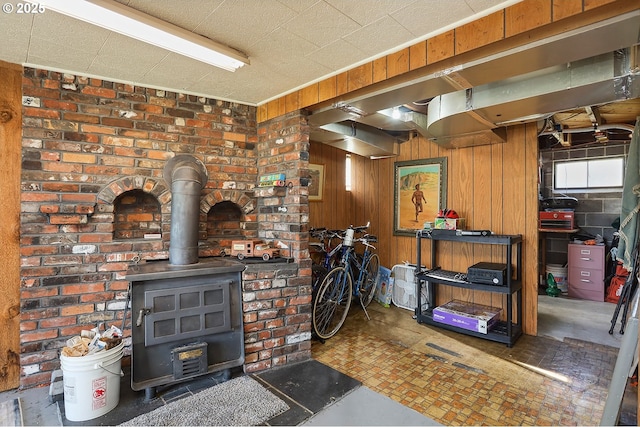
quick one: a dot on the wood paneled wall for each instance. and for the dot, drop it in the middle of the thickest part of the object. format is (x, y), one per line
(494, 187)
(10, 167)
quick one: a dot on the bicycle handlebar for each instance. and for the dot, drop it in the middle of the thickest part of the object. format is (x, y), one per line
(360, 228)
(322, 233)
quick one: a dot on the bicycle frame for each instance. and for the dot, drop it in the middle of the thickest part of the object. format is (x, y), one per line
(352, 263)
(328, 253)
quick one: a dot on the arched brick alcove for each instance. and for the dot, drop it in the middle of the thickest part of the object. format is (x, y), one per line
(134, 213)
(228, 216)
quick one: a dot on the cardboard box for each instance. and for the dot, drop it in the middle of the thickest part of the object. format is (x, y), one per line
(466, 315)
(449, 223)
(384, 286)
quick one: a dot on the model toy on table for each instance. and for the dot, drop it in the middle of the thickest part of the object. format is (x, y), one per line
(253, 249)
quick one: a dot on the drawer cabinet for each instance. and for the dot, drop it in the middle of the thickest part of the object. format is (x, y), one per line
(586, 271)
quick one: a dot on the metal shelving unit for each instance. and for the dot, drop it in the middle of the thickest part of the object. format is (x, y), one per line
(504, 331)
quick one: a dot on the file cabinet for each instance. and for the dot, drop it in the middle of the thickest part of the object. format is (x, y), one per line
(586, 271)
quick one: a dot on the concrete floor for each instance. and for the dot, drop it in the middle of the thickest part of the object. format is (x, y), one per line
(563, 317)
(380, 400)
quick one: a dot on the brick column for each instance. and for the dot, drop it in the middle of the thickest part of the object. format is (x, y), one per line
(277, 297)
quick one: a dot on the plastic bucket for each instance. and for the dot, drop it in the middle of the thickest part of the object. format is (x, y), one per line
(91, 383)
(560, 276)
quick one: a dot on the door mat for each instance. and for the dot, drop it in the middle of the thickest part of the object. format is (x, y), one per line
(11, 413)
(240, 401)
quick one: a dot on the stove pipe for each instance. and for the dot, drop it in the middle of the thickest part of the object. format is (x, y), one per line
(187, 176)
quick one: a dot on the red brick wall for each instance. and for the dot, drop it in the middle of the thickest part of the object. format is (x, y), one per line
(277, 303)
(88, 141)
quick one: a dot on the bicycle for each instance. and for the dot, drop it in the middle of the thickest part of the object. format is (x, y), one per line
(324, 257)
(334, 296)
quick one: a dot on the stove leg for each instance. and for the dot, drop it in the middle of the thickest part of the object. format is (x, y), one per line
(149, 394)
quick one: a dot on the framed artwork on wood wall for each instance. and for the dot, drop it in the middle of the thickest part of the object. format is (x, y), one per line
(420, 191)
(316, 173)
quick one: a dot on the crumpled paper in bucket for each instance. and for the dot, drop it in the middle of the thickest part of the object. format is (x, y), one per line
(92, 341)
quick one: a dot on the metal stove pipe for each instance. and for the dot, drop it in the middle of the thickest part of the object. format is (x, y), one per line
(187, 176)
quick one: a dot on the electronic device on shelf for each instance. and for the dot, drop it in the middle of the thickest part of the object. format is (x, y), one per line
(473, 232)
(558, 203)
(488, 273)
(452, 276)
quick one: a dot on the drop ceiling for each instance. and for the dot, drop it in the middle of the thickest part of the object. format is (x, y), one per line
(292, 43)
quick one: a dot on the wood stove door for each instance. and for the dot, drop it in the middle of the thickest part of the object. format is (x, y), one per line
(186, 312)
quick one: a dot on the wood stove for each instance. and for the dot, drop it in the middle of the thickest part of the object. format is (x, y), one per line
(187, 312)
(187, 321)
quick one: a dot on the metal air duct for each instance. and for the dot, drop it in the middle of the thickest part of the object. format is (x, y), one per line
(357, 138)
(487, 108)
(475, 99)
(187, 176)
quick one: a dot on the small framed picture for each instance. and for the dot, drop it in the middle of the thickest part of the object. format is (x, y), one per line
(316, 173)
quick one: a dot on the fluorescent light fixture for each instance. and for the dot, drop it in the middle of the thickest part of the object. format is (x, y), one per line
(129, 22)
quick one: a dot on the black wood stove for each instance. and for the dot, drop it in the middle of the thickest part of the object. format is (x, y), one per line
(187, 312)
(187, 321)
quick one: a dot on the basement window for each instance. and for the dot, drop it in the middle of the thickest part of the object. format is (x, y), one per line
(602, 174)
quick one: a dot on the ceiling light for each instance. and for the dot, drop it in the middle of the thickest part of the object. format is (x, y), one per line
(396, 113)
(354, 111)
(132, 23)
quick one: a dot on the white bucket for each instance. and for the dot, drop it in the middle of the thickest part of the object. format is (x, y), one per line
(91, 383)
(559, 275)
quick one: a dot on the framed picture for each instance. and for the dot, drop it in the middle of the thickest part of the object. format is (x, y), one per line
(420, 191)
(316, 173)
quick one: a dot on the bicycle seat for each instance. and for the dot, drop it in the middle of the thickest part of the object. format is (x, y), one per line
(373, 239)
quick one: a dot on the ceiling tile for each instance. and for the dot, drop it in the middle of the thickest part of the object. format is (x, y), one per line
(298, 5)
(281, 44)
(183, 68)
(187, 14)
(321, 24)
(70, 60)
(69, 32)
(428, 16)
(337, 55)
(241, 23)
(131, 53)
(15, 29)
(371, 40)
(373, 11)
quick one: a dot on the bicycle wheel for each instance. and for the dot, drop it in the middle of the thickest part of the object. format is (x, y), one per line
(332, 303)
(368, 286)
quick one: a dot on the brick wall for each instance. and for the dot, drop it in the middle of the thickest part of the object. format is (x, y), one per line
(89, 142)
(277, 303)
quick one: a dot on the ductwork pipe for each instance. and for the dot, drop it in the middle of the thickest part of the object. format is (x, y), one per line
(620, 126)
(187, 176)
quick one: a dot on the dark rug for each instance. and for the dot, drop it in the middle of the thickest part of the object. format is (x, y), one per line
(241, 401)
